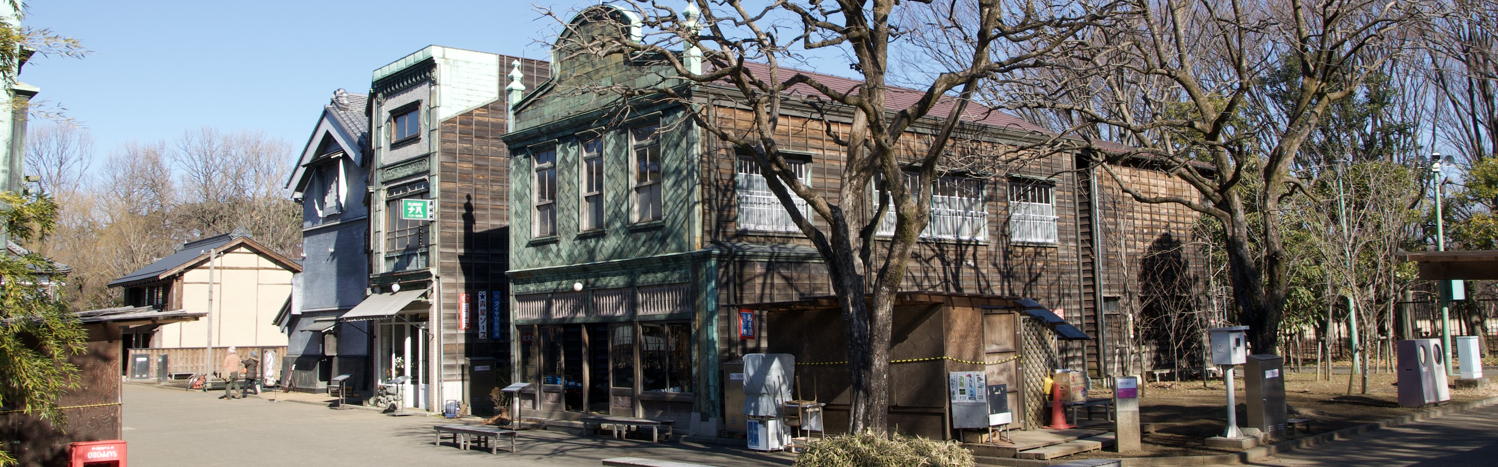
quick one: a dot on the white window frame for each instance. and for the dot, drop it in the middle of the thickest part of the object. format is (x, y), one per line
(544, 181)
(759, 210)
(591, 179)
(396, 136)
(959, 209)
(1032, 212)
(645, 191)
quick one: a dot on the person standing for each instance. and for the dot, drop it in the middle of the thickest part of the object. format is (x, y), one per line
(231, 370)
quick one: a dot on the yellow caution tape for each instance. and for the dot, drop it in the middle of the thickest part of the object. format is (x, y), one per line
(67, 407)
(923, 359)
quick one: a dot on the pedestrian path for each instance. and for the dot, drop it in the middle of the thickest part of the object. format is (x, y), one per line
(175, 427)
(1459, 439)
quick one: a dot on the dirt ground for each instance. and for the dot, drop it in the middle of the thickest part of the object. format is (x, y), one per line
(1179, 416)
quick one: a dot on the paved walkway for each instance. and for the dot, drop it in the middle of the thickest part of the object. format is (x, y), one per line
(1460, 439)
(174, 427)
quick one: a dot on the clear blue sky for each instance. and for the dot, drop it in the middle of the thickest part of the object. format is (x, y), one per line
(159, 68)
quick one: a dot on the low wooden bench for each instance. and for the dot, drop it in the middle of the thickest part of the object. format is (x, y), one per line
(464, 436)
(623, 425)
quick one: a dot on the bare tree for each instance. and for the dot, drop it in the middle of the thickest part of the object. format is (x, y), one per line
(60, 155)
(749, 48)
(231, 181)
(1181, 81)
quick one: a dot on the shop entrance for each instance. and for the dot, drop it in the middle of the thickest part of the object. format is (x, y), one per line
(401, 361)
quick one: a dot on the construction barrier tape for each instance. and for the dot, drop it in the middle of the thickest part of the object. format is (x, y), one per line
(923, 359)
(67, 407)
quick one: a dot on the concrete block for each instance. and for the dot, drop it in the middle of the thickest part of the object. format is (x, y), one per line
(1235, 444)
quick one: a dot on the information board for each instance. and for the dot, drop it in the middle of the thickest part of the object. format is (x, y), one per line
(969, 397)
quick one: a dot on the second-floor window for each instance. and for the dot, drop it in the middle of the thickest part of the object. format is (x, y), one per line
(1032, 212)
(329, 201)
(405, 124)
(646, 160)
(545, 195)
(405, 239)
(591, 217)
(958, 209)
(759, 209)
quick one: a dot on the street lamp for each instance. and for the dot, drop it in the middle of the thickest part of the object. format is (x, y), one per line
(1437, 164)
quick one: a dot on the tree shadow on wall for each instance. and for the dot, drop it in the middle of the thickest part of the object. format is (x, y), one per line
(1171, 320)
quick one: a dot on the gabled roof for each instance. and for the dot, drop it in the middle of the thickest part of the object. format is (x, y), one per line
(345, 121)
(196, 252)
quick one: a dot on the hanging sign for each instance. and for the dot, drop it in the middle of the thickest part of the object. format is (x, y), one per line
(416, 209)
(499, 320)
(483, 315)
(746, 323)
(463, 311)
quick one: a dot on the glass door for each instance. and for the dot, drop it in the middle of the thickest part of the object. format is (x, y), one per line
(598, 368)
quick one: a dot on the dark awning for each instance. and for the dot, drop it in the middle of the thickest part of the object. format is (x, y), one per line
(320, 325)
(382, 305)
(1464, 265)
(1056, 323)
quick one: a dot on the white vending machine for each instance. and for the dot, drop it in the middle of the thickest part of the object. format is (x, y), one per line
(767, 385)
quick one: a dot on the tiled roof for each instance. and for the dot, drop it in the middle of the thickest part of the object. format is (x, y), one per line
(898, 98)
(189, 252)
(348, 108)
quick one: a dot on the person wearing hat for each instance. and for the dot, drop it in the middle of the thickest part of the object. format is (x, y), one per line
(231, 370)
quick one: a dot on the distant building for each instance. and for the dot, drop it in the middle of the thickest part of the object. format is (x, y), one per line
(239, 283)
(331, 182)
(439, 225)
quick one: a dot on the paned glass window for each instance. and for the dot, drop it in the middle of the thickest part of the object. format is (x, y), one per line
(665, 357)
(405, 125)
(544, 223)
(591, 217)
(1032, 212)
(405, 239)
(646, 154)
(623, 355)
(759, 209)
(958, 211)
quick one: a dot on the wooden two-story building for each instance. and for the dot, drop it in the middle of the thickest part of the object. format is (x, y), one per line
(647, 256)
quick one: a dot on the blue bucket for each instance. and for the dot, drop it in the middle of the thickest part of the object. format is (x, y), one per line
(450, 409)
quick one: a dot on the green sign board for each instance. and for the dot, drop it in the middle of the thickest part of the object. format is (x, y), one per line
(416, 209)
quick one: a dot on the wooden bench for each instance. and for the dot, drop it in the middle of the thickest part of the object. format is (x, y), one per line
(623, 425)
(464, 436)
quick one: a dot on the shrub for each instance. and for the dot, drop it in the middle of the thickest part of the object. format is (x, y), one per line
(872, 450)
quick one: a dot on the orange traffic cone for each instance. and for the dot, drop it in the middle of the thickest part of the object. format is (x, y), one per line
(1058, 416)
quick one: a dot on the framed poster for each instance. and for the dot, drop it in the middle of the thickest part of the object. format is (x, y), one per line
(746, 323)
(968, 392)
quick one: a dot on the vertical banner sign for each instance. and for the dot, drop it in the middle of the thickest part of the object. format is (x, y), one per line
(483, 321)
(746, 324)
(500, 321)
(463, 311)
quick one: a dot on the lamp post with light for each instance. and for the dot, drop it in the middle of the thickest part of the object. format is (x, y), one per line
(1438, 174)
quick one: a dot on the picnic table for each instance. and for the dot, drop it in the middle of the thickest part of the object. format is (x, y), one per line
(623, 425)
(465, 435)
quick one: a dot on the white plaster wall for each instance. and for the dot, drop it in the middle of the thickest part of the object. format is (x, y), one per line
(250, 291)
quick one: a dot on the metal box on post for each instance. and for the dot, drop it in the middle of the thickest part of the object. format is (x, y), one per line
(1229, 346)
(1265, 384)
(1468, 354)
(1422, 373)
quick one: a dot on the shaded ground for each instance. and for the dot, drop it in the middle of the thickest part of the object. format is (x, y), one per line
(1179, 416)
(1454, 440)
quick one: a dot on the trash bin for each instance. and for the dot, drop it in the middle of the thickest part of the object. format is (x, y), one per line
(110, 453)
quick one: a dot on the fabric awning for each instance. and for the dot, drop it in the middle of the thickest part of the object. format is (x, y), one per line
(382, 305)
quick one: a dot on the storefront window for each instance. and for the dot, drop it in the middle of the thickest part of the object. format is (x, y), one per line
(527, 353)
(551, 355)
(665, 357)
(623, 353)
(572, 367)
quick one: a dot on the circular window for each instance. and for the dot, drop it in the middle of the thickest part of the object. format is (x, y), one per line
(1439, 356)
(1424, 356)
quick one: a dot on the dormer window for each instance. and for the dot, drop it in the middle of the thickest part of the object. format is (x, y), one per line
(405, 124)
(328, 180)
